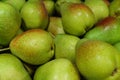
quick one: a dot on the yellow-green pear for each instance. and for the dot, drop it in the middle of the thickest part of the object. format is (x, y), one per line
(99, 8)
(18, 4)
(11, 68)
(55, 26)
(97, 60)
(57, 69)
(50, 6)
(10, 22)
(34, 15)
(65, 46)
(77, 18)
(107, 30)
(33, 46)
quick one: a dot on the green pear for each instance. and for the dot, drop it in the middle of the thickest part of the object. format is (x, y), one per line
(58, 4)
(77, 18)
(99, 8)
(10, 22)
(50, 6)
(117, 45)
(55, 26)
(114, 76)
(107, 30)
(65, 46)
(97, 60)
(11, 68)
(114, 8)
(33, 46)
(57, 69)
(34, 15)
(18, 4)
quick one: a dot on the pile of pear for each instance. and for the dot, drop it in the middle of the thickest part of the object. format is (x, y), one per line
(59, 39)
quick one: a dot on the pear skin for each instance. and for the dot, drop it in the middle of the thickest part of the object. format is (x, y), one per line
(77, 18)
(18, 4)
(34, 15)
(11, 68)
(10, 22)
(65, 46)
(57, 69)
(55, 26)
(50, 7)
(107, 30)
(95, 59)
(99, 8)
(114, 8)
(33, 46)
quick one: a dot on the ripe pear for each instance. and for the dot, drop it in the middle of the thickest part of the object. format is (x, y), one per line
(50, 6)
(57, 69)
(18, 4)
(11, 68)
(99, 8)
(34, 15)
(77, 18)
(58, 4)
(97, 60)
(55, 26)
(107, 30)
(114, 8)
(33, 46)
(10, 22)
(65, 46)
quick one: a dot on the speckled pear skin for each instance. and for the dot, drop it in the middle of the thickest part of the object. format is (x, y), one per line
(107, 30)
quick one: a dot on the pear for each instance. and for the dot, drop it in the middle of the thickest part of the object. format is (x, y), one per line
(114, 8)
(107, 30)
(117, 45)
(34, 15)
(10, 22)
(33, 46)
(50, 6)
(58, 4)
(55, 26)
(11, 68)
(57, 69)
(77, 18)
(65, 46)
(18, 4)
(97, 60)
(98, 7)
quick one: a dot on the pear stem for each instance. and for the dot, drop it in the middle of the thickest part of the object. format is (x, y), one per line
(4, 49)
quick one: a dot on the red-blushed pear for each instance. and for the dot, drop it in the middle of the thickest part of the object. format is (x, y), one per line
(115, 8)
(34, 15)
(107, 30)
(77, 18)
(55, 26)
(65, 46)
(11, 68)
(58, 4)
(97, 60)
(99, 8)
(33, 46)
(57, 69)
